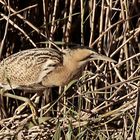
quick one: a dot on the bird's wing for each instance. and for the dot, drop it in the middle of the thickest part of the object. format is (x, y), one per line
(47, 67)
(29, 67)
(48, 61)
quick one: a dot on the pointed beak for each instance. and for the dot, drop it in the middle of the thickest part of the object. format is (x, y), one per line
(97, 56)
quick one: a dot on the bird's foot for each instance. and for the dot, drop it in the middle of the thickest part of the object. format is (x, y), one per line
(31, 105)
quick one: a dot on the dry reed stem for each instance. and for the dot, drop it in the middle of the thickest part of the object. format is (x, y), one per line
(102, 103)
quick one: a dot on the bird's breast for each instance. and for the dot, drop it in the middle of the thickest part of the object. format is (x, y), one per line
(61, 76)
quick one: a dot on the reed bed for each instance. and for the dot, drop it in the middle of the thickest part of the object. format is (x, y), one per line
(104, 102)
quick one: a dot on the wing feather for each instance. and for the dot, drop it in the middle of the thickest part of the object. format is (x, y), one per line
(29, 67)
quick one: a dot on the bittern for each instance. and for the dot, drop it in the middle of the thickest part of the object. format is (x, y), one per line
(39, 68)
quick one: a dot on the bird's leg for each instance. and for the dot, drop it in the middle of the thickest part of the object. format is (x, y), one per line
(27, 102)
(21, 107)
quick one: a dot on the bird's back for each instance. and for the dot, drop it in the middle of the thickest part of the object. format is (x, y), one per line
(27, 68)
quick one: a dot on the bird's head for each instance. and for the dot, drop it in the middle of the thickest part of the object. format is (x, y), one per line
(84, 55)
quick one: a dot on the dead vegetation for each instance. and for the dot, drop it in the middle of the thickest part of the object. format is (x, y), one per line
(104, 102)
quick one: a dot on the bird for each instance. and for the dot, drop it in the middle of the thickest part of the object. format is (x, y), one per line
(39, 68)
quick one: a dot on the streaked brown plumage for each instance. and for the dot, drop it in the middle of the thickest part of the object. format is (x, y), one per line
(36, 69)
